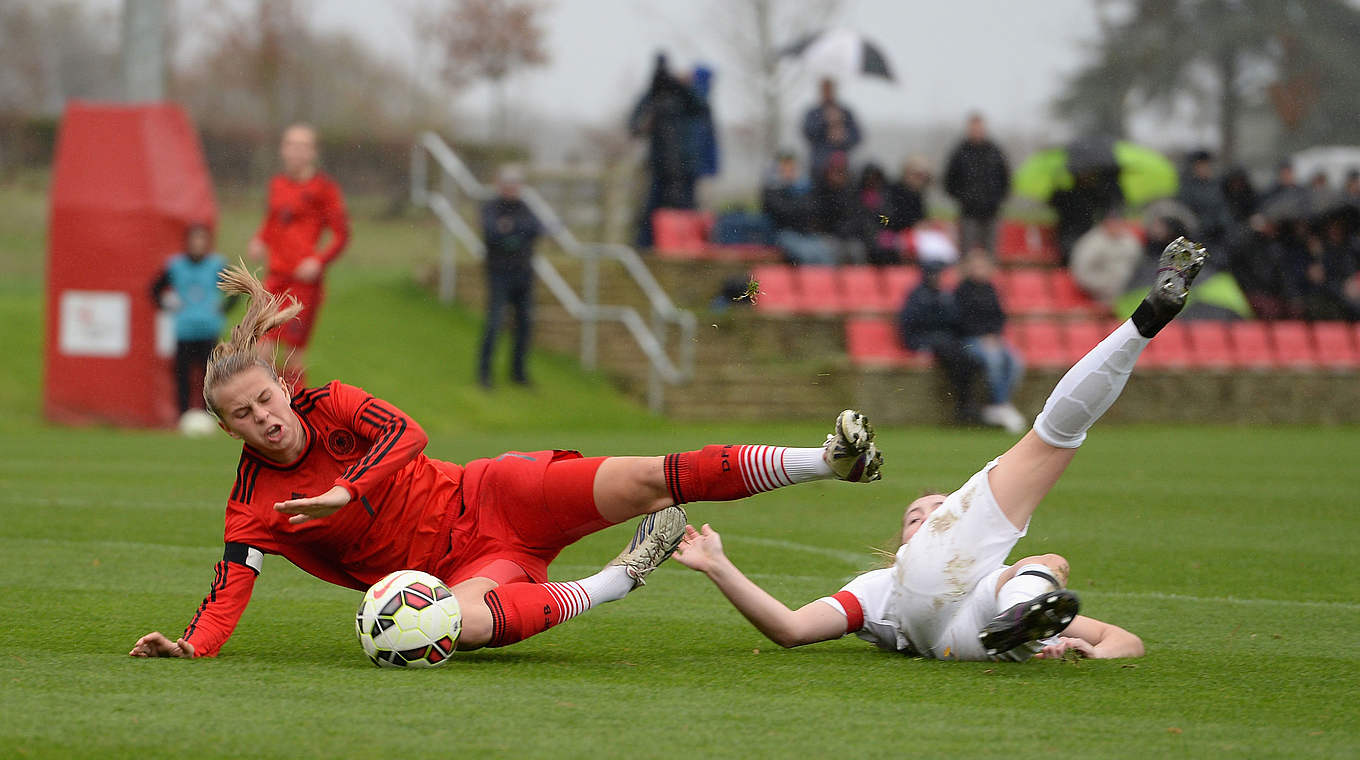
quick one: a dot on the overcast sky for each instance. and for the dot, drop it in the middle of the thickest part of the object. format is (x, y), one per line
(1006, 58)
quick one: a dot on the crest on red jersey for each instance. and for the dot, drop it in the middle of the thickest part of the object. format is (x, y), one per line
(340, 442)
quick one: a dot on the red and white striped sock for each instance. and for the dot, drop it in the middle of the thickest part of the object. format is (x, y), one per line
(724, 473)
(521, 610)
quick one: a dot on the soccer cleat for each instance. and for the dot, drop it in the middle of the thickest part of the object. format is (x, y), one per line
(1180, 263)
(850, 451)
(1045, 615)
(654, 542)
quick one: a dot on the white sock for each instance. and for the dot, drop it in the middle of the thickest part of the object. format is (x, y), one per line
(608, 585)
(1089, 388)
(765, 468)
(1026, 585)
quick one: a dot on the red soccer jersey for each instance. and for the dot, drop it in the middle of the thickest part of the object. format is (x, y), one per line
(298, 212)
(400, 499)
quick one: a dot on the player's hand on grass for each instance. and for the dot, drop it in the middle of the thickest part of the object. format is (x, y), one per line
(314, 507)
(1066, 646)
(700, 549)
(308, 270)
(256, 249)
(155, 644)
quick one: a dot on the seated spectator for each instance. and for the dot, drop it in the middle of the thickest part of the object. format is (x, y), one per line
(1239, 195)
(876, 202)
(836, 212)
(1254, 259)
(1103, 260)
(1204, 197)
(929, 321)
(1333, 290)
(909, 195)
(981, 320)
(787, 200)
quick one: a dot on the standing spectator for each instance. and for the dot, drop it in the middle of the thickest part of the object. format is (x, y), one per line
(703, 136)
(666, 114)
(510, 230)
(830, 128)
(1203, 195)
(978, 177)
(1239, 195)
(981, 320)
(909, 195)
(1104, 259)
(303, 203)
(787, 200)
(929, 321)
(187, 287)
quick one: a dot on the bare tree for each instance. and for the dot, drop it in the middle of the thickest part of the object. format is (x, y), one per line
(52, 51)
(490, 40)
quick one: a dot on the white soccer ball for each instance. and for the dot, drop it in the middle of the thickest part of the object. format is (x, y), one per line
(409, 619)
(197, 423)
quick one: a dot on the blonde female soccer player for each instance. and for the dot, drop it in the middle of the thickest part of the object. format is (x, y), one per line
(336, 481)
(948, 594)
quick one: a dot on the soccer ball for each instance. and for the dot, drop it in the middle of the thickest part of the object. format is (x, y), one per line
(409, 619)
(197, 423)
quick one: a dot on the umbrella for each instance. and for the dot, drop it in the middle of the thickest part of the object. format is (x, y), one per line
(839, 52)
(1144, 174)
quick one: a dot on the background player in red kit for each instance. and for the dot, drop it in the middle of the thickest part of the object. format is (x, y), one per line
(489, 528)
(303, 203)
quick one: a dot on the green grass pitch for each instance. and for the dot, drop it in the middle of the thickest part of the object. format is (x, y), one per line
(1231, 551)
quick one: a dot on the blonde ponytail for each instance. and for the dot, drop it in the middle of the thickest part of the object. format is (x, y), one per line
(264, 312)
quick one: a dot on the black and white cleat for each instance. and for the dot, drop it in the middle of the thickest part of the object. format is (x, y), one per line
(1039, 618)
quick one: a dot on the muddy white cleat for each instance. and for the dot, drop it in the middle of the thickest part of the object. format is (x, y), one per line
(1176, 270)
(850, 451)
(654, 542)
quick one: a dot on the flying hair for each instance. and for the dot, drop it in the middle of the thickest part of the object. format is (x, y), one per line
(264, 312)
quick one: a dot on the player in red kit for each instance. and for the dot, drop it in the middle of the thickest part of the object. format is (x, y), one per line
(303, 203)
(337, 482)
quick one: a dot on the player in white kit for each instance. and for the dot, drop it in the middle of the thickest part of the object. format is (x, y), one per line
(949, 594)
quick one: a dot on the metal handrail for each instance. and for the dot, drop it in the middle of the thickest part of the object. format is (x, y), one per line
(585, 308)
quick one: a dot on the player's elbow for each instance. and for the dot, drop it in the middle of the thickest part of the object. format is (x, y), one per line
(1135, 646)
(792, 635)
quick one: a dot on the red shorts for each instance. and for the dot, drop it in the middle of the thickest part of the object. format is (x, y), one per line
(518, 511)
(297, 331)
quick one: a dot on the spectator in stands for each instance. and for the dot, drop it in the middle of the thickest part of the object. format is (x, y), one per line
(837, 214)
(909, 195)
(1255, 258)
(1285, 184)
(665, 115)
(830, 128)
(1093, 197)
(1239, 195)
(1334, 291)
(187, 288)
(1104, 259)
(929, 321)
(1350, 191)
(981, 320)
(978, 177)
(787, 200)
(510, 230)
(876, 203)
(1203, 195)
(702, 134)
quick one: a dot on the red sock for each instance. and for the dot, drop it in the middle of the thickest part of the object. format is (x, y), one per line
(713, 473)
(521, 610)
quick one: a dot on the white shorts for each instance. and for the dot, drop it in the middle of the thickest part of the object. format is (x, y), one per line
(944, 578)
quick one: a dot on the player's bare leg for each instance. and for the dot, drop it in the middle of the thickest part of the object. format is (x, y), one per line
(497, 616)
(1028, 471)
(625, 487)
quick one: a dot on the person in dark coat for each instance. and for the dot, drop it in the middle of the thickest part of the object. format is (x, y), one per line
(836, 211)
(981, 320)
(1094, 196)
(929, 321)
(876, 203)
(510, 230)
(1203, 195)
(978, 177)
(1258, 260)
(1239, 195)
(786, 199)
(909, 195)
(829, 127)
(666, 114)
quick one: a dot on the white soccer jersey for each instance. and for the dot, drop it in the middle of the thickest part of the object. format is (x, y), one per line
(864, 601)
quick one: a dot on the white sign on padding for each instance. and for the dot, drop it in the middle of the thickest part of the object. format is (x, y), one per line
(95, 323)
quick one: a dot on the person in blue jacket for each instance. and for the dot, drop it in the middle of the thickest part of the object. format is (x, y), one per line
(187, 287)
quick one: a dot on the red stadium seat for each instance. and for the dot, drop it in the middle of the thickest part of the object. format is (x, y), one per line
(1025, 292)
(1169, 350)
(1209, 344)
(1080, 337)
(1251, 347)
(1069, 298)
(862, 290)
(1335, 345)
(1040, 342)
(873, 342)
(678, 233)
(898, 282)
(776, 292)
(1293, 344)
(1019, 243)
(817, 290)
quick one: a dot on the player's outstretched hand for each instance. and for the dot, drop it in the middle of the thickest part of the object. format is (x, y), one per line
(700, 549)
(1066, 644)
(314, 507)
(155, 644)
